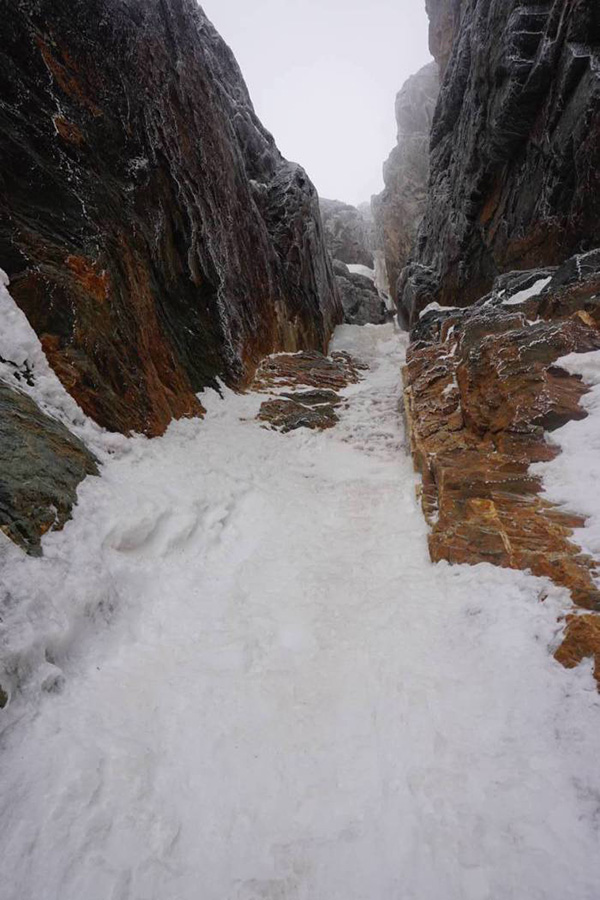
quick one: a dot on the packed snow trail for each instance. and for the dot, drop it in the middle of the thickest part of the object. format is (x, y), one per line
(258, 687)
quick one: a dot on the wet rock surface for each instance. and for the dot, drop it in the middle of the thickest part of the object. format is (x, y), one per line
(515, 146)
(482, 392)
(41, 466)
(399, 208)
(317, 379)
(129, 147)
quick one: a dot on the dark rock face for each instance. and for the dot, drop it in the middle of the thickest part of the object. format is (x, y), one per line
(515, 145)
(360, 298)
(153, 234)
(347, 232)
(41, 465)
(398, 210)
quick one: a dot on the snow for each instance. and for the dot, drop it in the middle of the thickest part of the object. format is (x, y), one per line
(533, 291)
(572, 480)
(235, 675)
(359, 269)
(435, 306)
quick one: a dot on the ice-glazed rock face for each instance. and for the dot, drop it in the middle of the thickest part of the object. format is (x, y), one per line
(153, 234)
(347, 232)
(515, 147)
(363, 305)
(398, 210)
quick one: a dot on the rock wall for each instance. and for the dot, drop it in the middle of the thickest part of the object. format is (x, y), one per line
(347, 232)
(515, 145)
(398, 210)
(349, 235)
(153, 234)
(482, 391)
(361, 300)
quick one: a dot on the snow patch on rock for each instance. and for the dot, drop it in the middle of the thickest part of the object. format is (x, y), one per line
(534, 291)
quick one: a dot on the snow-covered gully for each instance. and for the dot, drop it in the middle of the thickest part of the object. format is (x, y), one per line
(257, 687)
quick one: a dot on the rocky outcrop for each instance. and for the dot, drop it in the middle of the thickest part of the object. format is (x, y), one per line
(153, 234)
(482, 390)
(41, 465)
(349, 238)
(315, 402)
(515, 146)
(347, 232)
(361, 300)
(398, 210)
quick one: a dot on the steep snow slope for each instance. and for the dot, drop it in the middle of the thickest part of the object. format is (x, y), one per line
(258, 687)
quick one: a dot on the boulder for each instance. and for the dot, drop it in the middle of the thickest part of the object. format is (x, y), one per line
(41, 465)
(361, 300)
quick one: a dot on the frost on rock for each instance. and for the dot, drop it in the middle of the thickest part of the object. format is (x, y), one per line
(133, 128)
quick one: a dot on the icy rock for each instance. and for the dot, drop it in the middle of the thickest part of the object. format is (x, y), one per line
(154, 235)
(483, 387)
(515, 79)
(347, 232)
(398, 210)
(41, 465)
(361, 300)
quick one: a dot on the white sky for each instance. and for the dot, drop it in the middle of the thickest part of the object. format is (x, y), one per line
(323, 75)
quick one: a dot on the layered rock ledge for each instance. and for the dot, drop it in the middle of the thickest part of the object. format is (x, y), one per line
(482, 392)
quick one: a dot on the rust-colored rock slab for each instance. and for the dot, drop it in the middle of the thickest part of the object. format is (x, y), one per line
(482, 390)
(309, 368)
(582, 641)
(317, 379)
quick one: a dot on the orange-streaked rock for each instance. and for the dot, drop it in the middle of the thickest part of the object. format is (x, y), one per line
(482, 389)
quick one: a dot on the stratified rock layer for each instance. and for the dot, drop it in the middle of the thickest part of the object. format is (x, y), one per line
(41, 465)
(482, 388)
(153, 234)
(515, 145)
(398, 210)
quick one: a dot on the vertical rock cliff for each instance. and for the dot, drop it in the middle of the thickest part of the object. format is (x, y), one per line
(398, 210)
(153, 234)
(515, 145)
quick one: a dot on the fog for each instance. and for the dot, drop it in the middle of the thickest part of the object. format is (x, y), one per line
(323, 75)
